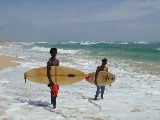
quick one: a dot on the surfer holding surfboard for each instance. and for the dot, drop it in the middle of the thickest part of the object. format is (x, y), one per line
(61, 75)
(100, 89)
(53, 61)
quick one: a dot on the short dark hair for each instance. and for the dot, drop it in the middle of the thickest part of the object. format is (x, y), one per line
(104, 60)
(53, 50)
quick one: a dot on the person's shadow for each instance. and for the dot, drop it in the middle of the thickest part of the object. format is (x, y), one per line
(39, 103)
(44, 104)
(91, 100)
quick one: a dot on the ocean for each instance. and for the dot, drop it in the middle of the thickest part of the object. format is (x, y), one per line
(134, 95)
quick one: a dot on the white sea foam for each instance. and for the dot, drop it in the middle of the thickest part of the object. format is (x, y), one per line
(62, 51)
(72, 42)
(125, 43)
(2, 81)
(27, 43)
(42, 49)
(42, 42)
(90, 42)
(141, 42)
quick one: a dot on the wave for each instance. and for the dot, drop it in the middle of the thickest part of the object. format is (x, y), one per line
(61, 51)
(42, 49)
(126, 50)
(88, 43)
(141, 42)
(106, 42)
(26, 43)
(81, 42)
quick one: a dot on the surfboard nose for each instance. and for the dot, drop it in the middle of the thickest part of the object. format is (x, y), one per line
(88, 77)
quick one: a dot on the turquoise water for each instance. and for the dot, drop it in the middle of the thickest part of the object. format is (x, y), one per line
(138, 51)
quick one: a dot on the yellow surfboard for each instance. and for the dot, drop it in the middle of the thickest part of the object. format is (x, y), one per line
(103, 78)
(60, 75)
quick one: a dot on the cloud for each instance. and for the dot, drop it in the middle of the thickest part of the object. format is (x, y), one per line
(125, 11)
(41, 20)
(130, 11)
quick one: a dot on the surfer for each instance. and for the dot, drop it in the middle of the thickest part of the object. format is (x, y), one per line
(53, 61)
(100, 89)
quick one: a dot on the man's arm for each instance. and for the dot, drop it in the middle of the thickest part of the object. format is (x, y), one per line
(57, 62)
(48, 72)
(96, 75)
(106, 69)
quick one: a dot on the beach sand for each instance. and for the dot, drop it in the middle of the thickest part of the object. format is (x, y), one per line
(8, 61)
(5, 62)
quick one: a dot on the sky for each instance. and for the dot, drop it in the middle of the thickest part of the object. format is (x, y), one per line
(80, 20)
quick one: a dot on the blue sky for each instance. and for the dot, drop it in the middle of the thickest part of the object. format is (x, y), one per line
(80, 20)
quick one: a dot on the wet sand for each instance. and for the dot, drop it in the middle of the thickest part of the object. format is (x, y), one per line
(8, 61)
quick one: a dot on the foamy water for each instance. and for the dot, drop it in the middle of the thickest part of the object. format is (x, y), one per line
(134, 95)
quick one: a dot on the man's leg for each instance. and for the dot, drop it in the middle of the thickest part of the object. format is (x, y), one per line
(51, 99)
(97, 92)
(102, 91)
(54, 101)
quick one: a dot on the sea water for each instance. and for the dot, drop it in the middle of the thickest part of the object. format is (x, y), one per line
(134, 95)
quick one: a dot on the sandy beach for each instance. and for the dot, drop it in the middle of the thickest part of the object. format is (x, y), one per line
(5, 60)
(8, 61)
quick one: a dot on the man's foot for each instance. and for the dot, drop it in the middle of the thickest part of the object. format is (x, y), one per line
(54, 107)
(95, 98)
(101, 96)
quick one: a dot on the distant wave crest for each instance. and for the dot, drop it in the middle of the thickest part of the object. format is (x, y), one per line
(61, 51)
(106, 42)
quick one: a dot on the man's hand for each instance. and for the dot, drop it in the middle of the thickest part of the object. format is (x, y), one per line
(50, 81)
(95, 82)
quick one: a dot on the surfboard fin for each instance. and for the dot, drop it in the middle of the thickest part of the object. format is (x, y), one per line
(25, 78)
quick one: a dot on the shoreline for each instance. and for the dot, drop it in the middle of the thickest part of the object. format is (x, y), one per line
(6, 62)
(9, 61)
